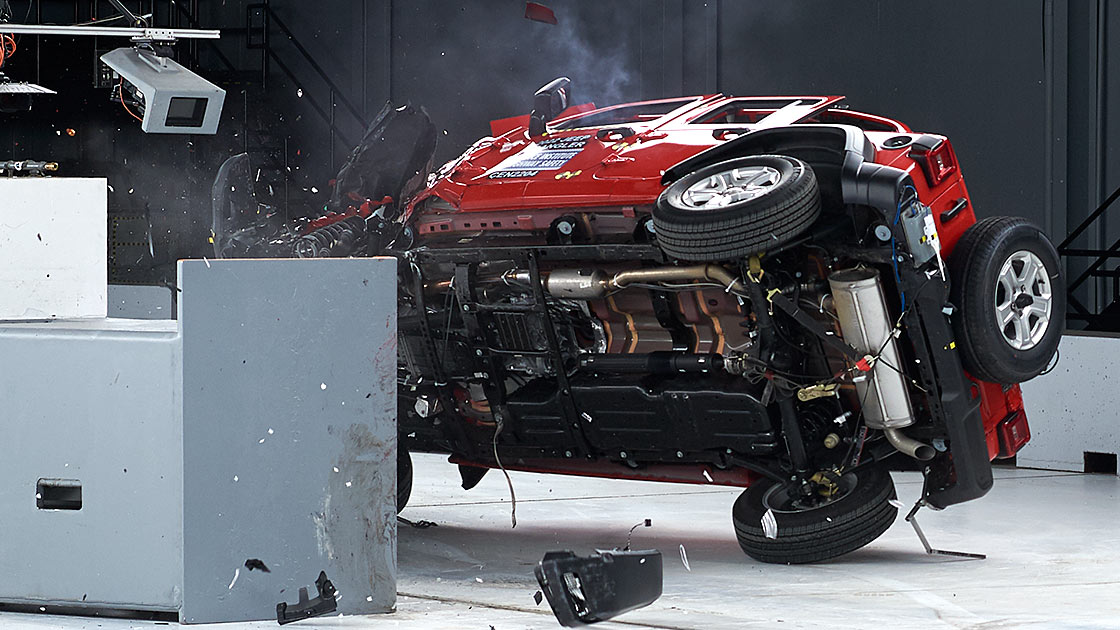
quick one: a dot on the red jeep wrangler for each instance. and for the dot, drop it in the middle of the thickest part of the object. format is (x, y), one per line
(777, 293)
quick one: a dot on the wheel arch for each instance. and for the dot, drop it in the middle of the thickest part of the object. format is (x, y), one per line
(841, 156)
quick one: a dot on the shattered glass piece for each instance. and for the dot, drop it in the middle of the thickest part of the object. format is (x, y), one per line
(258, 564)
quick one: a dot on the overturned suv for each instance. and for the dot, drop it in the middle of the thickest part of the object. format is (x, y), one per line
(775, 293)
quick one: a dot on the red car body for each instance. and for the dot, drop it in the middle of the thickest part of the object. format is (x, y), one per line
(617, 169)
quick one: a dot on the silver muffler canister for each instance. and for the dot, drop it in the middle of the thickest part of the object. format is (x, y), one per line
(866, 326)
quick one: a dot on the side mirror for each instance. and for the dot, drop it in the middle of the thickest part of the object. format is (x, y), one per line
(548, 103)
(588, 590)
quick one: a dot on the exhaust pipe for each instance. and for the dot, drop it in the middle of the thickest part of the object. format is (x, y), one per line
(590, 284)
(918, 450)
(865, 323)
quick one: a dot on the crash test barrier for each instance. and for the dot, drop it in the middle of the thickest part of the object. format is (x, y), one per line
(206, 467)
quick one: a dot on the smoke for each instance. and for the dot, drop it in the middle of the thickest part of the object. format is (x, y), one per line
(471, 63)
(595, 52)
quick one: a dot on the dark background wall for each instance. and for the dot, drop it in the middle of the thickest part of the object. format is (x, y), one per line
(1021, 86)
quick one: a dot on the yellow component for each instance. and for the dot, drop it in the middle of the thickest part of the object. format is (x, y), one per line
(831, 441)
(828, 487)
(952, 345)
(822, 390)
(770, 294)
(755, 266)
(568, 174)
(211, 240)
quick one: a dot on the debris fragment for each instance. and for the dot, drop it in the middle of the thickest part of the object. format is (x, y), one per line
(585, 590)
(684, 559)
(537, 597)
(305, 608)
(236, 574)
(255, 563)
(540, 13)
(417, 524)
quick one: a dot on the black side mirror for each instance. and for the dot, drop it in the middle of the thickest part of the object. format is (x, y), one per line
(588, 590)
(548, 103)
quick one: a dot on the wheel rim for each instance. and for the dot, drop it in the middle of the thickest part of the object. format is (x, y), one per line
(782, 499)
(732, 186)
(1023, 300)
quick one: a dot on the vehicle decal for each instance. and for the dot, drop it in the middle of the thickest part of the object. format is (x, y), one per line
(550, 154)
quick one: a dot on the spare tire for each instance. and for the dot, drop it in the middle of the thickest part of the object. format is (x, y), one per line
(1010, 299)
(736, 208)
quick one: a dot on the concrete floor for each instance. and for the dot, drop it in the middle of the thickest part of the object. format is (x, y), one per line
(1052, 541)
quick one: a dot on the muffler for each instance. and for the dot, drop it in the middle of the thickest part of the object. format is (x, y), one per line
(866, 325)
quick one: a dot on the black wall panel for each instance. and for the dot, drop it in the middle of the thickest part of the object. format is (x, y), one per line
(971, 71)
(1021, 86)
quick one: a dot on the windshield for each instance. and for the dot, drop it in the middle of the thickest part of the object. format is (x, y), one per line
(624, 114)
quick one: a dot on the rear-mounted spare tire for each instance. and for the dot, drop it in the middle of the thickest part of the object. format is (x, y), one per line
(737, 208)
(1010, 299)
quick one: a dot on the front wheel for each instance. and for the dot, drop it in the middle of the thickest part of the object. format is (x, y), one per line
(736, 208)
(404, 478)
(818, 527)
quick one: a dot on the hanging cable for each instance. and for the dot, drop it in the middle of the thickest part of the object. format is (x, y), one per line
(499, 425)
(120, 88)
(7, 48)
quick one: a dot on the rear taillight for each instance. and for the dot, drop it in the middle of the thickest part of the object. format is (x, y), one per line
(936, 159)
(1014, 433)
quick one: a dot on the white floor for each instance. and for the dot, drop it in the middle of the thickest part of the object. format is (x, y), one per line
(1052, 539)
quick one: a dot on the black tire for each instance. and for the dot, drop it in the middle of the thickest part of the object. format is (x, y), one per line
(856, 518)
(404, 478)
(987, 350)
(755, 225)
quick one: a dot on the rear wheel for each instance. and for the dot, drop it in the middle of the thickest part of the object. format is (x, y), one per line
(818, 527)
(736, 208)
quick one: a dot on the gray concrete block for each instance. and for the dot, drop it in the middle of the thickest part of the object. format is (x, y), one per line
(289, 374)
(261, 425)
(1076, 407)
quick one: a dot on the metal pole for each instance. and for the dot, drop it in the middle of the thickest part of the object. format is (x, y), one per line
(111, 31)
